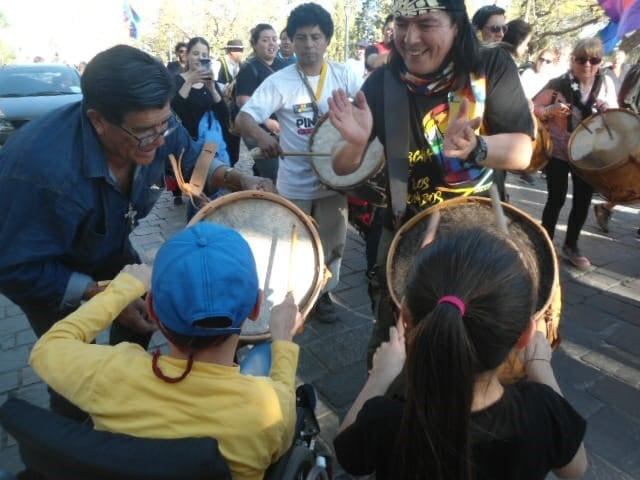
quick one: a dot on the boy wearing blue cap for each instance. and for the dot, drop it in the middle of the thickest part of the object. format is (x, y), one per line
(203, 287)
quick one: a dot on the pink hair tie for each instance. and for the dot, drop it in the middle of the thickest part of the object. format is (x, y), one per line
(454, 301)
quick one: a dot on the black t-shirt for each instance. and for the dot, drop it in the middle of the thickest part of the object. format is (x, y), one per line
(505, 111)
(530, 431)
(252, 73)
(191, 109)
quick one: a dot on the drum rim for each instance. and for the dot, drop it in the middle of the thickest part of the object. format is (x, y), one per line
(305, 219)
(346, 188)
(555, 281)
(579, 128)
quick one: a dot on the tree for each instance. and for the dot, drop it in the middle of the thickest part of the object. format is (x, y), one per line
(7, 53)
(557, 22)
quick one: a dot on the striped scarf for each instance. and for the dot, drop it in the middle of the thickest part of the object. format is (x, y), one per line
(439, 81)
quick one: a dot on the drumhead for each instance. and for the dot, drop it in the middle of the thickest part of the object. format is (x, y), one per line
(596, 150)
(267, 221)
(324, 137)
(530, 238)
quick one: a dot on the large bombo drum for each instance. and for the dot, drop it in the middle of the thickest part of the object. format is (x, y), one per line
(609, 163)
(529, 237)
(366, 182)
(285, 245)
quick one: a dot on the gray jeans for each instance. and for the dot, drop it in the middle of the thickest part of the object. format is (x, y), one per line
(330, 214)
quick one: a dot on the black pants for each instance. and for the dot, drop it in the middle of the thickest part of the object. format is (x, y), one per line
(557, 172)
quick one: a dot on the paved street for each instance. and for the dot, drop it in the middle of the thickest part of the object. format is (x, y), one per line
(598, 364)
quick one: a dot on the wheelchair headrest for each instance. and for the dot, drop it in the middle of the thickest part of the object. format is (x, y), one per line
(64, 449)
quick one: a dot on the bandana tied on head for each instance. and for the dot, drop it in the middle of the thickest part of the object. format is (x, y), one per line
(413, 8)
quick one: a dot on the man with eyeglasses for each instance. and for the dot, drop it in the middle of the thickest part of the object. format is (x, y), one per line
(180, 65)
(490, 22)
(75, 184)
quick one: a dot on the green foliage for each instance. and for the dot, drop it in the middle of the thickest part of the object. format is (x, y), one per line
(557, 22)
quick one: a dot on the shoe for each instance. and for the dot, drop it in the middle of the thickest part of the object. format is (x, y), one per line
(575, 257)
(177, 200)
(602, 215)
(528, 179)
(324, 311)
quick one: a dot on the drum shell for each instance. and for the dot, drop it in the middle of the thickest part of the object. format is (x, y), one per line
(366, 182)
(265, 220)
(542, 148)
(530, 238)
(612, 166)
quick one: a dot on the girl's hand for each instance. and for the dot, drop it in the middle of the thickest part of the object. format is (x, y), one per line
(390, 356)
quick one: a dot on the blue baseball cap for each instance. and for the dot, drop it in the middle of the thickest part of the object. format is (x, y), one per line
(205, 271)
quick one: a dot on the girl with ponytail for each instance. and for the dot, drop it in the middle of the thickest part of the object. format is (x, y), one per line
(468, 303)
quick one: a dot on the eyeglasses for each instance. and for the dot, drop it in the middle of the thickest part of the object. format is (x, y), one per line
(545, 60)
(498, 28)
(144, 142)
(591, 60)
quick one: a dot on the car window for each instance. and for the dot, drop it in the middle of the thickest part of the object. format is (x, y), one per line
(16, 82)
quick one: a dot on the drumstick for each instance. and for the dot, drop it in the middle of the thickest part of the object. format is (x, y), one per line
(306, 154)
(501, 220)
(292, 256)
(606, 125)
(432, 228)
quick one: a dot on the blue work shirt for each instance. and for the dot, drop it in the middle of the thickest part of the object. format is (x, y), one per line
(63, 217)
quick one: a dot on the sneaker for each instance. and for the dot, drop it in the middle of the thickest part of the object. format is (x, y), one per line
(528, 179)
(324, 311)
(602, 215)
(575, 257)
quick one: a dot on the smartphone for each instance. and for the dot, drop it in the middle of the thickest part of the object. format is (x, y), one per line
(205, 63)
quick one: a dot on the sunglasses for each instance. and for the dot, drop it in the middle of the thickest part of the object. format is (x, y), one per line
(591, 60)
(498, 28)
(545, 60)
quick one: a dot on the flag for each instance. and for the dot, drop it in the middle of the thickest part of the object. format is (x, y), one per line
(131, 18)
(624, 18)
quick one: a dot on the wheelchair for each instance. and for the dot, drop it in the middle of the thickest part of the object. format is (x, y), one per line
(57, 448)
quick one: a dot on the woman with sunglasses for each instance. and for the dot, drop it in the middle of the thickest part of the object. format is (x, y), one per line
(563, 103)
(536, 77)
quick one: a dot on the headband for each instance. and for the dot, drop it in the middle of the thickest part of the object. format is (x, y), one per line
(453, 300)
(413, 8)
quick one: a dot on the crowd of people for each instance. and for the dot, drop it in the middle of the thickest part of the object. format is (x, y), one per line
(444, 95)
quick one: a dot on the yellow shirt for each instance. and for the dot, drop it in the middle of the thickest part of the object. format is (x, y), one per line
(251, 417)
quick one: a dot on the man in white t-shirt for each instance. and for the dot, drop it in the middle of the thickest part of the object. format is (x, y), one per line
(357, 63)
(298, 96)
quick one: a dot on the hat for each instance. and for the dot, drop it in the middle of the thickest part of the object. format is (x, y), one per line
(203, 272)
(413, 8)
(362, 44)
(482, 16)
(234, 44)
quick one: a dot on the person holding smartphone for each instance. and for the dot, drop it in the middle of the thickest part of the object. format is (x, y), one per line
(198, 101)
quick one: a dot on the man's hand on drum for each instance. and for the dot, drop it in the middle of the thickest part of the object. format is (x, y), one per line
(354, 122)
(285, 319)
(460, 137)
(269, 146)
(249, 182)
(136, 316)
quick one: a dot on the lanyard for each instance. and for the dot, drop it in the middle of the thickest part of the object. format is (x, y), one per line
(317, 95)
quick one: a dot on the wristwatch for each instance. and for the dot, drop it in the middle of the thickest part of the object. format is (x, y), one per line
(479, 154)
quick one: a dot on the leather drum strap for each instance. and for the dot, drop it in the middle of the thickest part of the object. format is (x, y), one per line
(200, 173)
(396, 129)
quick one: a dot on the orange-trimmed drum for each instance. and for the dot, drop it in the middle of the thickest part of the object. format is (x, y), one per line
(605, 152)
(286, 246)
(542, 148)
(529, 237)
(367, 182)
